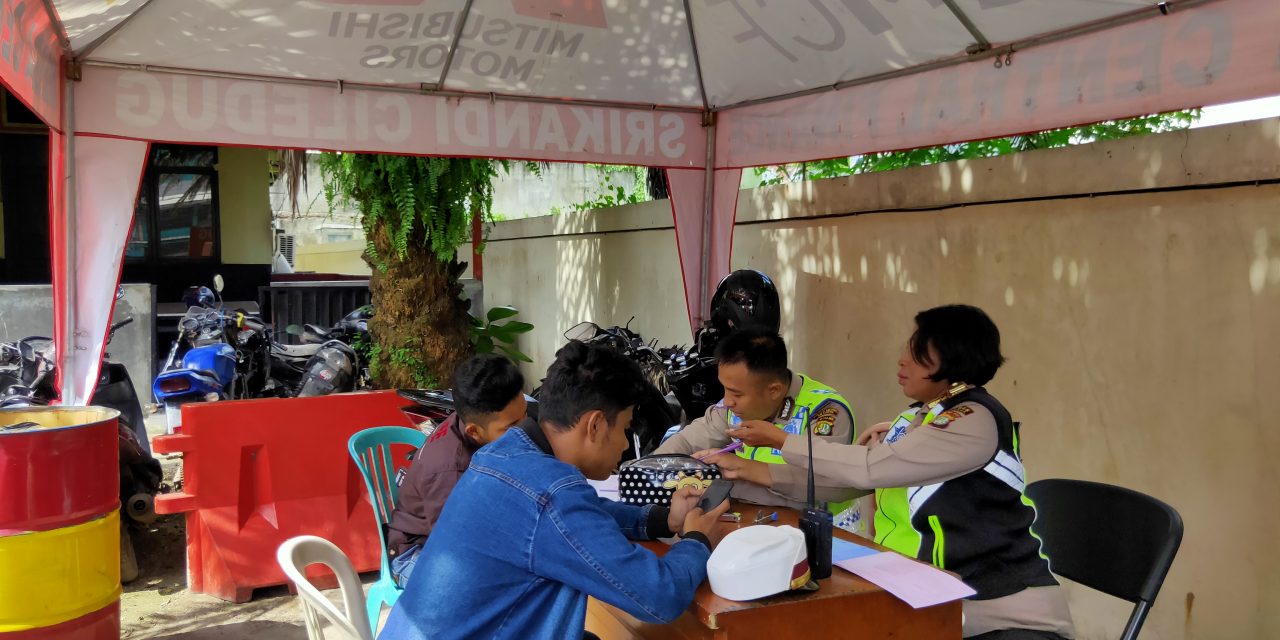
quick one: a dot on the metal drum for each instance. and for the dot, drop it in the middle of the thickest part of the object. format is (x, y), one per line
(59, 523)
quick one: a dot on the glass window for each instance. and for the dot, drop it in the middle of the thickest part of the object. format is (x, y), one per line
(139, 247)
(170, 156)
(176, 217)
(184, 215)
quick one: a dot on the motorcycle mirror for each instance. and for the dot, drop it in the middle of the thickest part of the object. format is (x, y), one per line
(293, 330)
(582, 331)
(218, 283)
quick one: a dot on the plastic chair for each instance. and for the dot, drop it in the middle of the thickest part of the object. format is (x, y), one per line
(371, 450)
(294, 556)
(1108, 538)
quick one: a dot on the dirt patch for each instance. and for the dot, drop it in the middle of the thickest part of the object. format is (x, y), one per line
(159, 605)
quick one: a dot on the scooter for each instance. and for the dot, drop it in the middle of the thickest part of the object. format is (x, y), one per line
(26, 379)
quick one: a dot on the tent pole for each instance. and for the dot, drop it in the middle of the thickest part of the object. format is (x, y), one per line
(453, 46)
(708, 211)
(69, 393)
(982, 41)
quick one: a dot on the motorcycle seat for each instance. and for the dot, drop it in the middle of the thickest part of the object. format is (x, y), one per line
(294, 350)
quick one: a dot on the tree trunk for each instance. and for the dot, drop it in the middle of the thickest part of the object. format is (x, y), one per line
(420, 326)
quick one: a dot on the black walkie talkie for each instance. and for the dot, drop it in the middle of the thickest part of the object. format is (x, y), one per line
(817, 525)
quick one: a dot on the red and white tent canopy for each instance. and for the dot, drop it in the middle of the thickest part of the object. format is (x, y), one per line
(700, 87)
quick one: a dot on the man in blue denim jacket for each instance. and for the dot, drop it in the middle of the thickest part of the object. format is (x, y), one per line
(523, 539)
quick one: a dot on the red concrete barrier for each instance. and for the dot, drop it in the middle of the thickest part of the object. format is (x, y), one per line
(258, 472)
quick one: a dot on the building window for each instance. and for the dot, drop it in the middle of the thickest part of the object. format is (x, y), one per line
(176, 219)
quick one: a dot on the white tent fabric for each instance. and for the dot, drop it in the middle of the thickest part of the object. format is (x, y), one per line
(689, 85)
(627, 51)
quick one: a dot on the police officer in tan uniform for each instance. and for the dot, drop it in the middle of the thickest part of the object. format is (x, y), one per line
(948, 478)
(760, 391)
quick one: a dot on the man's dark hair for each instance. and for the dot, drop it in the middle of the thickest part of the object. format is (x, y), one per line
(484, 385)
(966, 340)
(762, 350)
(588, 377)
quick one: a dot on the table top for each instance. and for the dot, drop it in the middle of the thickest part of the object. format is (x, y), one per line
(708, 606)
(844, 606)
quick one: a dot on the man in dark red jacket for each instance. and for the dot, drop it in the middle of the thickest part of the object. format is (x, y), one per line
(488, 396)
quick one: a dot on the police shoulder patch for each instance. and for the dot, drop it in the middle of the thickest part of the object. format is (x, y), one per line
(947, 417)
(825, 419)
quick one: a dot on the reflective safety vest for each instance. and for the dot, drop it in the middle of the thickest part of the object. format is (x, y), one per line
(977, 525)
(808, 403)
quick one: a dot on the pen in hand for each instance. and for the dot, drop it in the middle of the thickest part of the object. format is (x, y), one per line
(733, 446)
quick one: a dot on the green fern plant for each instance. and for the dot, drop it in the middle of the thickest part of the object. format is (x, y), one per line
(416, 211)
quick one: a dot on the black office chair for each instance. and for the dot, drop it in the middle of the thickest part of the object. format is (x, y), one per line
(1109, 538)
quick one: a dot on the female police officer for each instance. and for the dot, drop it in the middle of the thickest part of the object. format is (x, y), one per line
(948, 478)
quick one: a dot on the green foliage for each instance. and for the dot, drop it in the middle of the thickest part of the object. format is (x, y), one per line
(609, 194)
(405, 357)
(425, 202)
(490, 334)
(888, 161)
(362, 344)
(416, 212)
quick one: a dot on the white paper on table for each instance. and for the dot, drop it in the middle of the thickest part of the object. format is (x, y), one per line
(915, 583)
(607, 489)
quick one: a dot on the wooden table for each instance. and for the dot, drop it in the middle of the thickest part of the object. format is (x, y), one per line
(845, 606)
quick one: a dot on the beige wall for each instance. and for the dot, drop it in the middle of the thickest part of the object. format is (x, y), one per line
(243, 181)
(1139, 319)
(604, 266)
(332, 257)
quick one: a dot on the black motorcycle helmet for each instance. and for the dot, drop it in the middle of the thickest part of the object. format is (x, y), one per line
(745, 299)
(198, 297)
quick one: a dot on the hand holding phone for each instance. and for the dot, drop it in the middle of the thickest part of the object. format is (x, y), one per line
(715, 494)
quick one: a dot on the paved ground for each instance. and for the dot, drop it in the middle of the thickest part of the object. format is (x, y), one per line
(158, 604)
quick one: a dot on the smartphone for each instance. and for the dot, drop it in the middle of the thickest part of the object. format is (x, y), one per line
(715, 494)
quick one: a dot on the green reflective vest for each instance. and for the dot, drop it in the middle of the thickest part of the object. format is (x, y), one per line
(813, 395)
(977, 525)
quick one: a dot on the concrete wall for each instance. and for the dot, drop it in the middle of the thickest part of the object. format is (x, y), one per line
(604, 266)
(332, 257)
(520, 193)
(1136, 283)
(243, 181)
(27, 310)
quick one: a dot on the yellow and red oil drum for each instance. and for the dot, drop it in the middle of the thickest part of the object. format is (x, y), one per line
(59, 524)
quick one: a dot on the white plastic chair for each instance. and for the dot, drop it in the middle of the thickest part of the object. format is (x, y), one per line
(294, 556)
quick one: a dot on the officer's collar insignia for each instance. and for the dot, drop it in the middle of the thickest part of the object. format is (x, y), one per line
(955, 390)
(788, 405)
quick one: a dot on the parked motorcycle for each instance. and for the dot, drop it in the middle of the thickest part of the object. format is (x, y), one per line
(217, 355)
(201, 365)
(326, 362)
(27, 372)
(659, 410)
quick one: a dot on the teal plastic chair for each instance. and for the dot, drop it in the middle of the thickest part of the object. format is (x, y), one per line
(371, 450)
